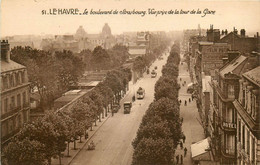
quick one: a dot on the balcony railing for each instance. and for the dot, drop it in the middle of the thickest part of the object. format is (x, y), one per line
(11, 112)
(13, 133)
(228, 151)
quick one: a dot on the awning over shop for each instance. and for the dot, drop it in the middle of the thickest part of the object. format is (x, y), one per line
(200, 150)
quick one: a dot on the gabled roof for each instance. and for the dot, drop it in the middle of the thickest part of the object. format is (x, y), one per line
(234, 67)
(253, 75)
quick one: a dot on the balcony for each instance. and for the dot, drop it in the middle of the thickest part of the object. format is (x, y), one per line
(10, 112)
(228, 152)
(222, 94)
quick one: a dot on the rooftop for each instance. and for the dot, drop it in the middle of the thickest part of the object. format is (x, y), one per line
(253, 75)
(9, 66)
(233, 66)
(199, 148)
(137, 51)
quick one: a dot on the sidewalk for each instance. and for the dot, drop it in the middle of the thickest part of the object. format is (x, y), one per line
(190, 126)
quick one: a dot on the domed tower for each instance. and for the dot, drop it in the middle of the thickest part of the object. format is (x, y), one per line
(80, 33)
(106, 31)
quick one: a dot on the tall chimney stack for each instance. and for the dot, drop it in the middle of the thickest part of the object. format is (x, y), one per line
(5, 51)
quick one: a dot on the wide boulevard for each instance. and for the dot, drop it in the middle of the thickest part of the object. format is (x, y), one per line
(113, 140)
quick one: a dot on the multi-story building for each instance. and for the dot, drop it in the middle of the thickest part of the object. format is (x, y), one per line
(248, 118)
(15, 107)
(225, 91)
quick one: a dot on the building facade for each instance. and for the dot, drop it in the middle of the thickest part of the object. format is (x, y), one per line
(248, 118)
(15, 107)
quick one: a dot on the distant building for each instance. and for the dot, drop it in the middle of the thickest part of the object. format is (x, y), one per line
(242, 43)
(15, 107)
(210, 56)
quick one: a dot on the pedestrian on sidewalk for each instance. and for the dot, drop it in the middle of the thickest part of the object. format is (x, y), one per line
(189, 100)
(185, 102)
(184, 138)
(86, 134)
(184, 82)
(181, 159)
(177, 159)
(185, 151)
(180, 101)
(180, 79)
(181, 145)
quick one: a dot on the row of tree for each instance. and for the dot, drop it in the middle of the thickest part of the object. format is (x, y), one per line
(102, 59)
(160, 129)
(46, 138)
(49, 73)
(157, 46)
(52, 73)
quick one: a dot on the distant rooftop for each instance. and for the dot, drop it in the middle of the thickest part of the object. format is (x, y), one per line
(137, 51)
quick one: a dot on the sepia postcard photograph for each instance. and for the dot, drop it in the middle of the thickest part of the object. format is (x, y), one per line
(119, 82)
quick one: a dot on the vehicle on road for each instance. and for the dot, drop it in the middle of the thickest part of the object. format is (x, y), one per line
(115, 108)
(127, 107)
(140, 93)
(91, 146)
(153, 74)
(190, 88)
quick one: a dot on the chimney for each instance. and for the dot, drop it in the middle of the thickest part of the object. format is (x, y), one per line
(232, 55)
(5, 51)
(243, 32)
(235, 30)
(226, 32)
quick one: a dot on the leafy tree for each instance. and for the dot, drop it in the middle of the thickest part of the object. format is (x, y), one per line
(59, 126)
(100, 59)
(139, 64)
(166, 87)
(45, 133)
(167, 110)
(151, 151)
(119, 54)
(86, 58)
(154, 128)
(24, 152)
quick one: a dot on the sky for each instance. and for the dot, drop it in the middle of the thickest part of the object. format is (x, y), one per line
(25, 17)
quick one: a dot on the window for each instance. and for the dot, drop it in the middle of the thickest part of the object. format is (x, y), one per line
(12, 103)
(253, 150)
(24, 98)
(19, 100)
(5, 105)
(23, 77)
(17, 79)
(248, 142)
(4, 130)
(243, 137)
(25, 116)
(231, 91)
(239, 130)
(10, 126)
